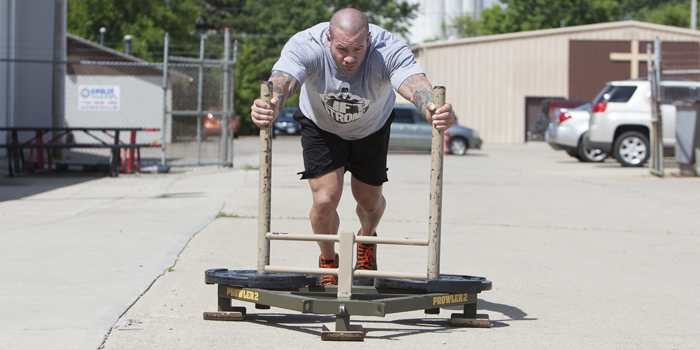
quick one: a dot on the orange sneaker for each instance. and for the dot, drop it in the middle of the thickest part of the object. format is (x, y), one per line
(328, 280)
(366, 260)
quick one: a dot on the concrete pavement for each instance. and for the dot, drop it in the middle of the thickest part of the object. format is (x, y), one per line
(581, 255)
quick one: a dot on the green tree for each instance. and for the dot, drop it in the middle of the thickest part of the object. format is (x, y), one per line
(465, 26)
(523, 15)
(262, 27)
(542, 14)
(670, 14)
(146, 21)
(496, 21)
(635, 9)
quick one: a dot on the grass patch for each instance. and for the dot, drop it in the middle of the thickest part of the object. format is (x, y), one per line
(222, 214)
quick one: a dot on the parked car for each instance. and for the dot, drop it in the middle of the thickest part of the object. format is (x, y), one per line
(566, 132)
(549, 106)
(550, 110)
(621, 118)
(284, 124)
(212, 124)
(410, 131)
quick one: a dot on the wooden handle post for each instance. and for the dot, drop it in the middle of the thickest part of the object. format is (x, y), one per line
(435, 220)
(265, 184)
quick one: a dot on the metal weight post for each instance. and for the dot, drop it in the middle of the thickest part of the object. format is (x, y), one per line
(437, 148)
(298, 288)
(265, 183)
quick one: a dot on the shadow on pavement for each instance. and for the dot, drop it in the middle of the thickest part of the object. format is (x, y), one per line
(312, 324)
(26, 185)
(513, 313)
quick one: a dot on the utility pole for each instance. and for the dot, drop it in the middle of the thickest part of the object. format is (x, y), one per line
(128, 39)
(693, 14)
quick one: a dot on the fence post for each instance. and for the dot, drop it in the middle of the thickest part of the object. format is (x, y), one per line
(231, 94)
(659, 99)
(200, 85)
(656, 147)
(165, 101)
(652, 88)
(224, 97)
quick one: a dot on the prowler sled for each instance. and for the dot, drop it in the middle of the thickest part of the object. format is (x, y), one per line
(298, 289)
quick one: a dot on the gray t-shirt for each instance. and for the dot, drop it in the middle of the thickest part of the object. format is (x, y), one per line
(351, 106)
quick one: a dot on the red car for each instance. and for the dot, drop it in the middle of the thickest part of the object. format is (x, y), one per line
(211, 124)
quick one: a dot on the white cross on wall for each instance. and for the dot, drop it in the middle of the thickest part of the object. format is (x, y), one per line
(633, 57)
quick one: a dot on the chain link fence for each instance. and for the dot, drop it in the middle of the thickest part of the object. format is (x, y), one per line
(189, 101)
(203, 122)
(196, 137)
(674, 77)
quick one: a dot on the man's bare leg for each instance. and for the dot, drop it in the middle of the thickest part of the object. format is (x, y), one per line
(370, 205)
(326, 191)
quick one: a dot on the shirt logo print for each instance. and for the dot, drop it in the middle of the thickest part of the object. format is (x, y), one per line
(343, 106)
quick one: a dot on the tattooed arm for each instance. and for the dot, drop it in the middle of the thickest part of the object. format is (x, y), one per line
(418, 90)
(284, 85)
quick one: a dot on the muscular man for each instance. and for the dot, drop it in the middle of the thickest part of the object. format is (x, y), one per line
(347, 70)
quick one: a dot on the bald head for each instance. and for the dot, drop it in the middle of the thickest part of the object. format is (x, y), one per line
(348, 39)
(350, 21)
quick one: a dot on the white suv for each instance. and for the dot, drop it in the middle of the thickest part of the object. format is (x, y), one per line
(621, 118)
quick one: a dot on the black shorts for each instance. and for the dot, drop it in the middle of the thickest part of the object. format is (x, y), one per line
(324, 152)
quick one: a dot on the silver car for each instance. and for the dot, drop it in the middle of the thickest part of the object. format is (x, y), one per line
(566, 131)
(410, 131)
